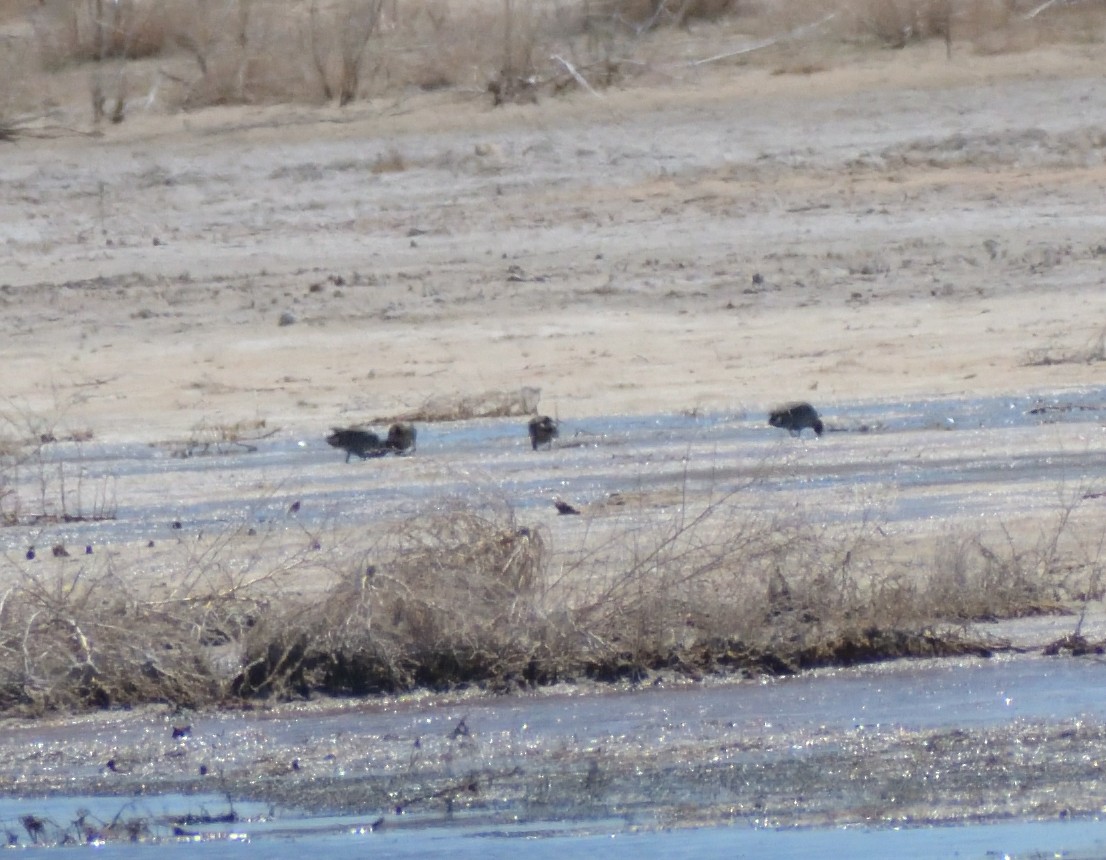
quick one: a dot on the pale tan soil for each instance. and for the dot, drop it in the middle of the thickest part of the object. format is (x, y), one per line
(922, 227)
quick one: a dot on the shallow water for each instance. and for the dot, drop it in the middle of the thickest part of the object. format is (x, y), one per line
(257, 835)
(724, 758)
(931, 459)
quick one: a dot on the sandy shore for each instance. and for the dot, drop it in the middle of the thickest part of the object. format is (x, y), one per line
(902, 227)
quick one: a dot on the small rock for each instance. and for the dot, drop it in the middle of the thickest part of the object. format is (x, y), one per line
(287, 318)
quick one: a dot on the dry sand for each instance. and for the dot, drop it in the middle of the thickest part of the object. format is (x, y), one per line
(902, 225)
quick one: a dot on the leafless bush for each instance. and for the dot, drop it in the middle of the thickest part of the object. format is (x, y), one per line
(726, 575)
(783, 591)
(209, 438)
(1007, 574)
(108, 34)
(392, 161)
(450, 599)
(989, 26)
(67, 641)
(86, 631)
(486, 404)
(897, 22)
(256, 51)
(644, 15)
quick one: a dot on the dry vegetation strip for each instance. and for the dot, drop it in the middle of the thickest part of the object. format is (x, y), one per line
(188, 54)
(473, 597)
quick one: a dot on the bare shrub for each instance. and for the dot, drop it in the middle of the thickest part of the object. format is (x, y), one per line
(1092, 353)
(108, 33)
(751, 589)
(208, 438)
(449, 600)
(392, 161)
(81, 31)
(990, 26)
(86, 632)
(67, 640)
(725, 575)
(245, 51)
(644, 15)
(1007, 574)
(20, 97)
(486, 404)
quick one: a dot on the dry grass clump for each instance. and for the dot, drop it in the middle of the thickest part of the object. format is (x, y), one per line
(450, 600)
(988, 26)
(94, 631)
(765, 592)
(896, 22)
(1092, 353)
(339, 44)
(73, 637)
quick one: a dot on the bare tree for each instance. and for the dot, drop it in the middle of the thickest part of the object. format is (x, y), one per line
(339, 37)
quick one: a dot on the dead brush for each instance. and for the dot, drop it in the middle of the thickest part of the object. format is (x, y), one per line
(754, 590)
(466, 595)
(486, 404)
(719, 579)
(80, 31)
(1015, 572)
(95, 631)
(1093, 352)
(209, 438)
(76, 637)
(450, 599)
(643, 15)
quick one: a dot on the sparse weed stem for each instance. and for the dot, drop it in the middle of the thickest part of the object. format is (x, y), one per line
(38, 487)
(208, 438)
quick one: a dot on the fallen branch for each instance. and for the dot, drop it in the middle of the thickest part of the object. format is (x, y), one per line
(1031, 15)
(575, 74)
(767, 43)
